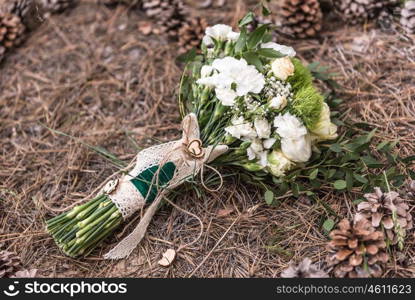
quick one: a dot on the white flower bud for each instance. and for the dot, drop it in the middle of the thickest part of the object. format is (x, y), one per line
(282, 68)
(325, 129)
(278, 102)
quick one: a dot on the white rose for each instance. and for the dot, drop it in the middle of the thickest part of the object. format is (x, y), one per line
(256, 151)
(278, 102)
(295, 141)
(278, 163)
(286, 50)
(325, 129)
(282, 68)
(289, 126)
(263, 128)
(298, 150)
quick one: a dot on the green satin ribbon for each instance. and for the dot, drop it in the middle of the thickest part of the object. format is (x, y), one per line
(143, 182)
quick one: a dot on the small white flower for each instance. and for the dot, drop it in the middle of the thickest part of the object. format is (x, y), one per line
(286, 50)
(206, 71)
(278, 163)
(226, 96)
(268, 143)
(282, 68)
(295, 141)
(325, 129)
(278, 102)
(263, 128)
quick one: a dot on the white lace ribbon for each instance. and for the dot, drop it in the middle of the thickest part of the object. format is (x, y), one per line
(188, 156)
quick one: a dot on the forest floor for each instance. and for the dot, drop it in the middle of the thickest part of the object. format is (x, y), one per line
(90, 74)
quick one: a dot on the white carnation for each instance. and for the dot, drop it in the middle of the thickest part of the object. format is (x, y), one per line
(206, 71)
(286, 50)
(207, 40)
(241, 129)
(233, 72)
(221, 32)
(256, 151)
(233, 36)
(295, 141)
(226, 96)
(263, 128)
(268, 143)
(246, 77)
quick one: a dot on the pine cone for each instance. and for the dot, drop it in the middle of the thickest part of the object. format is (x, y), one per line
(115, 2)
(11, 32)
(9, 264)
(191, 34)
(304, 269)
(356, 250)
(301, 18)
(19, 8)
(357, 11)
(389, 211)
(56, 6)
(408, 17)
(170, 15)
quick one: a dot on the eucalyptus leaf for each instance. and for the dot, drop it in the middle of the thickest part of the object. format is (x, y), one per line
(340, 184)
(269, 197)
(328, 225)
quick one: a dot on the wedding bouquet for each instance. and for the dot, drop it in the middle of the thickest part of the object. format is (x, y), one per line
(246, 103)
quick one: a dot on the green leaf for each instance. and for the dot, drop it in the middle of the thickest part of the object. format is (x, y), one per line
(360, 178)
(188, 56)
(328, 225)
(340, 184)
(241, 42)
(269, 197)
(252, 59)
(371, 162)
(313, 174)
(336, 148)
(349, 180)
(269, 53)
(257, 36)
(248, 18)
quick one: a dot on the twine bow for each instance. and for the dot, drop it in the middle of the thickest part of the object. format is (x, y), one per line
(189, 157)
